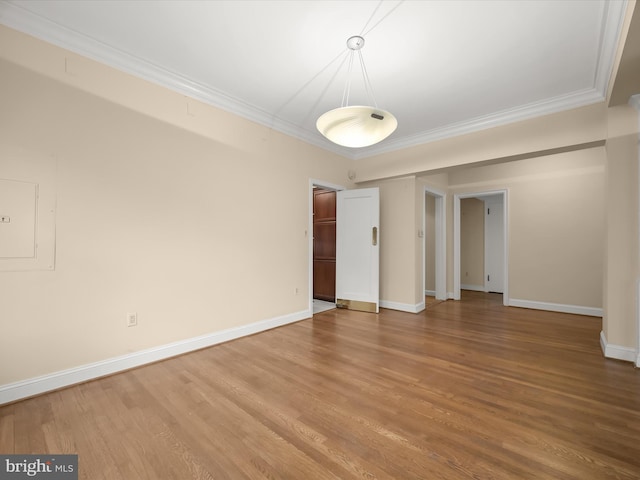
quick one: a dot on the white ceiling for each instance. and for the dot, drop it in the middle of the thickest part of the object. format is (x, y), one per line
(441, 67)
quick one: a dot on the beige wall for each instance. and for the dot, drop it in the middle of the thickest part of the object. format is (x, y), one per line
(622, 244)
(155, 214)
(556, 227)
(556, 224)
(398, 240)
(472, 243)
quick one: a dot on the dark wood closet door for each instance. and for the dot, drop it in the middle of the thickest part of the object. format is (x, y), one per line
(324, 245)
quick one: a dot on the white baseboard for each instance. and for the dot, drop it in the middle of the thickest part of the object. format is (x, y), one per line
(556, 307)
(53, 381)
(430, 293)
(618, 352)
(475, 288)
(403, 307)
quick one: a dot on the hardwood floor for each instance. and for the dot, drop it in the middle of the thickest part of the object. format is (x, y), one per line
(466, 389)
(430, 301)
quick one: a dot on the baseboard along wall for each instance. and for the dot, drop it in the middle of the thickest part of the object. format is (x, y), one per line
(618, 352)
(556, 307)
(34, 386)
(53, 381)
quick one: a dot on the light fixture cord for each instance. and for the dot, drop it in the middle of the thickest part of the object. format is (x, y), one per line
(367, 83)
(347, 85)
(380, 21)
(370, 18)
(290, 99)
(313, 107)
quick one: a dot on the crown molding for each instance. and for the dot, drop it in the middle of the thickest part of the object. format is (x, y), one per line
(18, 18)
(612, 23)
(504, 117)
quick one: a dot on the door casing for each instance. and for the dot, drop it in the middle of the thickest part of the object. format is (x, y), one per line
(456, 240)
(441, 242)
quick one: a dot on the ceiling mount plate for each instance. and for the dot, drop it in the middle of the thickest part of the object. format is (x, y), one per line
(355, 43)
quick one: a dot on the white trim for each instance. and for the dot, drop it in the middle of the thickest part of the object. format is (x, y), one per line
(616, 351)
(612, 23)
(456, 240)
(556, 307)
(430, 293)
(475, 288)
(441, 241)
(64, 378)
(14, 16)
(403, 307)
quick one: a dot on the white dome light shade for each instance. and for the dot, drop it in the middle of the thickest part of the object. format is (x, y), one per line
(356, 126)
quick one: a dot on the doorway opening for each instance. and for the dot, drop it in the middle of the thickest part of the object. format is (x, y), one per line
(434, 282)
(480, 243)
(322, 245)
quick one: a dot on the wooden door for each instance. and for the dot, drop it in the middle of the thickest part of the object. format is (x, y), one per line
(324, 244)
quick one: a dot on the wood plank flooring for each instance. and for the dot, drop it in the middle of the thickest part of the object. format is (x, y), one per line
(465, 390)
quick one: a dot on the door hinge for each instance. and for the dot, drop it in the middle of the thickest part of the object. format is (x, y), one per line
(488, 211)
(488, 278)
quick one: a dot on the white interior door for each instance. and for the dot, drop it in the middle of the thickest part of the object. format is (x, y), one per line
(357, 249)
(494, 247)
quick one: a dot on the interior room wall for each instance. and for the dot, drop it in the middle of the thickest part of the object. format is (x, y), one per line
(398, 238)
(556, 222)
(161, 210)
(472, 244)
(622, 272)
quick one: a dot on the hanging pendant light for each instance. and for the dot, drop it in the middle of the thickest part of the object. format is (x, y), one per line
(356, 126)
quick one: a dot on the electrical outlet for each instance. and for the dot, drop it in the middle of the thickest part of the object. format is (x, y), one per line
(132, 319)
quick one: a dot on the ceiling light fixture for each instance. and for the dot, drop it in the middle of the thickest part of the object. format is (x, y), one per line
(357, 126)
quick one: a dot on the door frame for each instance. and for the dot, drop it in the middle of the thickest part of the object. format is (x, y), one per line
(441, 242)
(327, 186)
(456, 240)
